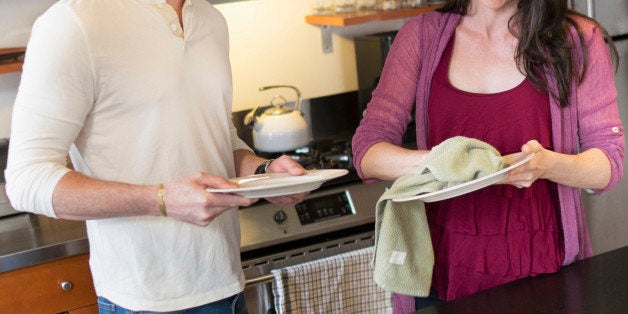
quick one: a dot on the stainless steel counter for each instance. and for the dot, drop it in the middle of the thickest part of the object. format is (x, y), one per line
(29, 239)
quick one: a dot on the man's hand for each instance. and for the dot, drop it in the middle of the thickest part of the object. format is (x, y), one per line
(186, 198)
(286, 164)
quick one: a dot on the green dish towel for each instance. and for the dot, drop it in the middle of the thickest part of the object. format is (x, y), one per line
(404, 257)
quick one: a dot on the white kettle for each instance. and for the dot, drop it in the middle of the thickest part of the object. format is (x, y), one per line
(279, 128)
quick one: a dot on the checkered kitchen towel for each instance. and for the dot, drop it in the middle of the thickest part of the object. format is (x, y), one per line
(341, 283)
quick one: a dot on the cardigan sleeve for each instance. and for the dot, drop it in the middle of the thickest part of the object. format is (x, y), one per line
(389, 111)
(599, 125)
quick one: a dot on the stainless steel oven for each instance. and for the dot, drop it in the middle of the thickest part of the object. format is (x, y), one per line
(330, 221)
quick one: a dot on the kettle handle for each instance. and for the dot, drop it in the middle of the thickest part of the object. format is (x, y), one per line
(250, 117)
(297, 106)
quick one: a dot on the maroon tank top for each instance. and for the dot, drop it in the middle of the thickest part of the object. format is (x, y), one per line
(499, 233)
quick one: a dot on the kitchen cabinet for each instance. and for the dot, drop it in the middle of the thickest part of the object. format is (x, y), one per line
(61, 286)
(11, 59)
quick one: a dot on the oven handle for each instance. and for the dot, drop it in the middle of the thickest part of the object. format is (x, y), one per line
(259, 280)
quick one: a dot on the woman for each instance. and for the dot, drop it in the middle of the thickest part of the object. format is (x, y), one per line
(526, 76)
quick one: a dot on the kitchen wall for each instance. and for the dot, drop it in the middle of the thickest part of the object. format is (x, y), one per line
(270, 44)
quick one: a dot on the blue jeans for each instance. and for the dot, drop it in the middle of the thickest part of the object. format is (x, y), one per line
(235, 304)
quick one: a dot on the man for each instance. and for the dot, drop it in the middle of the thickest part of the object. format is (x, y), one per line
(139, 93)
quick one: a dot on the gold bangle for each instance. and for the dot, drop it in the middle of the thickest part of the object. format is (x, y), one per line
(160, 199)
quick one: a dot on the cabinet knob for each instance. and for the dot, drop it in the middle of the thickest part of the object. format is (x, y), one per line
(66, 285)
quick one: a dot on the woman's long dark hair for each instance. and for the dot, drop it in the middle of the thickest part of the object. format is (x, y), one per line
(542, 28)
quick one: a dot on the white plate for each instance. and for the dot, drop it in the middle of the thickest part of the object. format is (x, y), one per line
(466, 187)
(275, 184)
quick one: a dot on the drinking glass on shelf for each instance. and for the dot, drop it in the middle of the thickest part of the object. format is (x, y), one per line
(323, 7)
(412, 3)
(367, 5)
(389, 5)
(345, 6)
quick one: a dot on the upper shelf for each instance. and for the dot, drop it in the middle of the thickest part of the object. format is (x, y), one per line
(11, 59)
(365, 17)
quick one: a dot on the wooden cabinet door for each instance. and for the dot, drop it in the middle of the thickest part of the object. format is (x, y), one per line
(54, 287)
(91, 309)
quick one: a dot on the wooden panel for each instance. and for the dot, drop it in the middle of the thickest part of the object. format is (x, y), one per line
(91, 309)
(6, 51)
(11, 59)
(37, 289)
(11, 67)
(365, 17)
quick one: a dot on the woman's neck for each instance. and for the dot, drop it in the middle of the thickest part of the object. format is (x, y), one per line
(490, 22)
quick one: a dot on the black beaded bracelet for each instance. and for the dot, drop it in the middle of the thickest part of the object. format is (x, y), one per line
(263, 167)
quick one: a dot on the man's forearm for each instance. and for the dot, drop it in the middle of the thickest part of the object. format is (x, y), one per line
(78, 197)
(246, 162)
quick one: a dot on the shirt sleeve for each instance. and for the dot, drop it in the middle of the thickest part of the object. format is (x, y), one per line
(599, 125)
(56, 94)
(236, 142)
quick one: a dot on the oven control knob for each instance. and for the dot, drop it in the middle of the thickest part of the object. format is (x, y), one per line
(280, 216)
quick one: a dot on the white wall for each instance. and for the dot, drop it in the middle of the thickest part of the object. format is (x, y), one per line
(270, 44)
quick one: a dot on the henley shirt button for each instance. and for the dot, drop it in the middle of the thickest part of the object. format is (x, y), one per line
(160, 5)
(615, 129)
(174, 27)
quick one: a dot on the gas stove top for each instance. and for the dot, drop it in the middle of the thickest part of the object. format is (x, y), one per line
(324, 154)
(320, 154)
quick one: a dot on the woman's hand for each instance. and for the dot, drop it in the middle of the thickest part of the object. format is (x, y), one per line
(186, 199)
(536, 168)
(286, 164)
(590, 169)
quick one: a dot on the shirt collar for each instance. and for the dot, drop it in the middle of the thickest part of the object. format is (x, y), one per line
(162, 2)
(153, 1)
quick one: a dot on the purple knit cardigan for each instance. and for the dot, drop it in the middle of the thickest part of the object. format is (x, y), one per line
(591, 119)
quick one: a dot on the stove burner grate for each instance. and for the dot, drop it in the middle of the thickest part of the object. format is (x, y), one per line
(321, 154)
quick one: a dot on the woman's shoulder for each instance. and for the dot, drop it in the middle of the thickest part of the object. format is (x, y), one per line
(587, 27)
(429, 24)
(431, 20)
